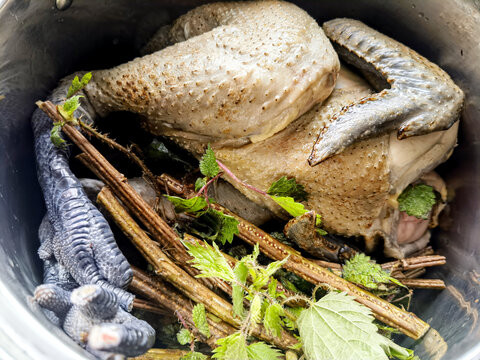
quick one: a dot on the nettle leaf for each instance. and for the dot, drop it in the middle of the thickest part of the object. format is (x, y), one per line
(361, 270)
(290, 205)
(338, 327)
(210, 261)
(295, 311)
(200, 183)
(55, 135)
(262, 351)
(233, 347)
(194, 355)
(69, 107)
(241, 273)
(77, 84)
(184, 337)
(288, 187)
(272, 319)
(200, 319)
(227, 226)
(208, 163)
(192, 205)
(255, 310)
(417, 200)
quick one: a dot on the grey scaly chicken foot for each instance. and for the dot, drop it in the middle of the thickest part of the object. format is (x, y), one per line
(89, 314)
(421, 99)
(82, 241)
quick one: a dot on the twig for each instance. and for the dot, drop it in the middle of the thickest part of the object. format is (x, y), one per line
(436, 284)
(124, 150)
(140, 304)
(414, 263)
(162, 354)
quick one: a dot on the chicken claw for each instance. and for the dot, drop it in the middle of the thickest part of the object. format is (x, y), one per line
(420, 98)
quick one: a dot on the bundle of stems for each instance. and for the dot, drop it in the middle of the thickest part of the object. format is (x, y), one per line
(173, 264)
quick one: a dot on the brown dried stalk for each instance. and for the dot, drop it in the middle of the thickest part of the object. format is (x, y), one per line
(126, 151)
(177, 276)
(162, 354)
(140, 304)
(414, 263)
(436, 284)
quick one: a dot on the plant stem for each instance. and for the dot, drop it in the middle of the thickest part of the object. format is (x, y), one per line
(424, 283)
(236, 179)
(162, 354)
(140, 304)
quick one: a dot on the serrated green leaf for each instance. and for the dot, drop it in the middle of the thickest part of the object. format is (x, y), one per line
(210, 261)
(194, 355)
(417, 200)
(69, 107)
(397, 352)
(338, 327)
(289, 323)
(241, 273)
(200, 183)
(184, 337)
(272, 319)
(208, 163)
(288, 187)
(227, 226)
(192, 205)
(262, 351)
(361, 270)
(200, 320)
(290, 205)
(55, 135)
(78, 84)
(274, 266)
(272, 289)
(255, 310)
(232, 347)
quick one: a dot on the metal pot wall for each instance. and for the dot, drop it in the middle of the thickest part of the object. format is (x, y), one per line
(39, 44)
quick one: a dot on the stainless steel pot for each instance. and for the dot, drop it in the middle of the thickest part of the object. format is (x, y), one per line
(39, 45)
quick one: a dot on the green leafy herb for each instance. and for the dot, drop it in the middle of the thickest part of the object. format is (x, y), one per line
(77, 84)
(337, 327)
(194, 355)
(69, 107)
(192, 205)
(233, 347)
(55, 135)
(272, 319)
(184, 337)
(210, 261)
(361, 270)
(208, 163)
(226, 226)
(199, 183)
(200, 319)
(417, 200)
(288, 187)
(262, 351)
(241, 273)
(255, 310)
(290, 205)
